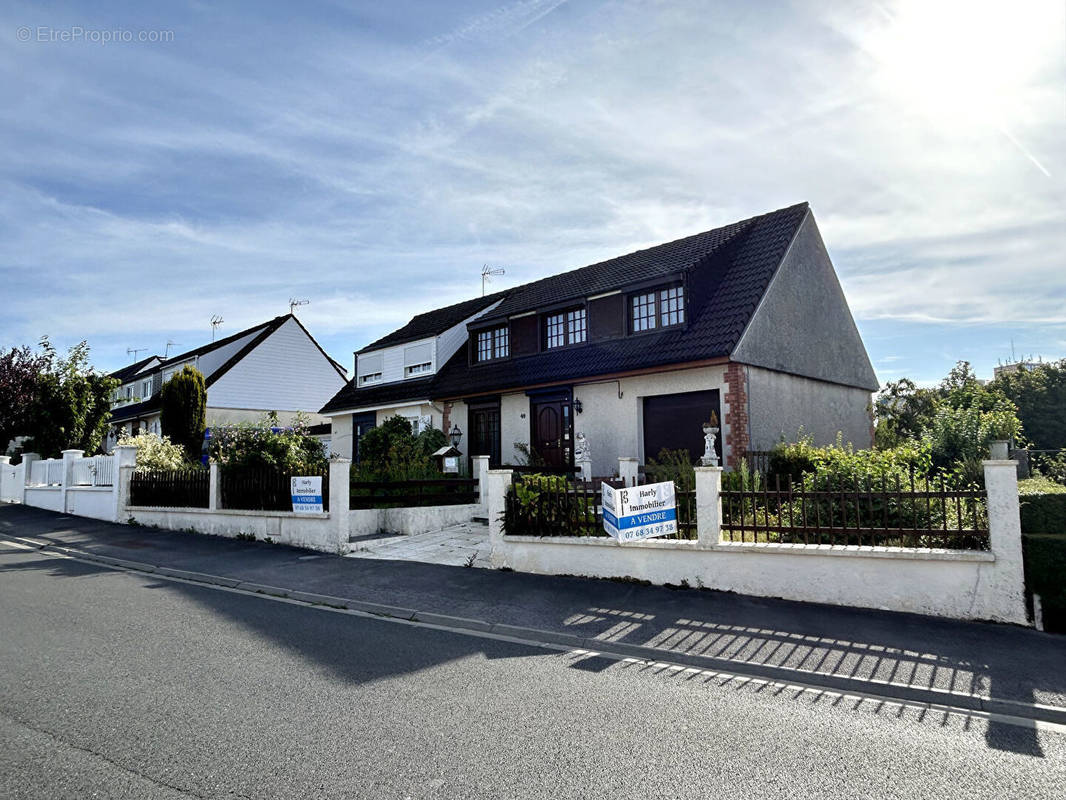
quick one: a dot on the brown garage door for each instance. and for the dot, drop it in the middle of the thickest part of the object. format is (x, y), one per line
(675, 422)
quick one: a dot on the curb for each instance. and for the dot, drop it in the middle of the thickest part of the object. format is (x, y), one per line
(621, 650)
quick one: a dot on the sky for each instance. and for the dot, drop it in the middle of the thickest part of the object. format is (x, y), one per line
(161, 164)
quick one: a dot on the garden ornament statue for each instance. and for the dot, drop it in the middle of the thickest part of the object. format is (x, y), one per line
(583, 456)
(710, 432)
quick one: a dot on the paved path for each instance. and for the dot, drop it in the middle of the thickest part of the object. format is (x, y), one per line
(465, 544)
(825, 645)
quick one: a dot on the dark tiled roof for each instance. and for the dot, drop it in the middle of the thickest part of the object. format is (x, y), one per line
(728, 270)
(723, 293)
(126, 373)
(272, 325)
(434, 323)
(383, 394)
(134, 410)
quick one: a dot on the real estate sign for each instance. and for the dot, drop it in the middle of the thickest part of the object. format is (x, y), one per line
(639, 512)
(307, 494)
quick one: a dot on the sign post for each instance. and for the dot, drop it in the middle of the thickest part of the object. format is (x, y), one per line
(307, 494)
(639, 512)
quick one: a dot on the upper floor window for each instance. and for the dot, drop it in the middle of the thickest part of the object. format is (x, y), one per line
(493, 343)
(565, 328)
(659, 308)
(373, 377)
(419, 369)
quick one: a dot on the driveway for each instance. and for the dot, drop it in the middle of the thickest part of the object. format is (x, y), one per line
(465, 544)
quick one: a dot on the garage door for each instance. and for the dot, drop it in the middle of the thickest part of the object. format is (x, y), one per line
(675, 422)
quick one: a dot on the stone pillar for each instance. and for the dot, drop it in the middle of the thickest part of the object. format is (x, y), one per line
(27, 466)
(1003, 591)
(499, 481)
(481, 475)
(68, 473)
(340, 476)
(709, 505)
(584, 468)
(214, 491)
(7, 486)
(125, 463)
(628, 470)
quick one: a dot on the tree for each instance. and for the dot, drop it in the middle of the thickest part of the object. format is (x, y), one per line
(1040, 395)
(183, 410)
(70, 404)
(20, 369)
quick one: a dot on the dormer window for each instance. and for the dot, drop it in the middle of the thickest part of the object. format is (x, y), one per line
(419, 369)
(565, 328)
(492, 344)
(373, 377)
(659, 308)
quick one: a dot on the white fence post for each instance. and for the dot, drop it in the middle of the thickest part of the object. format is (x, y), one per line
(125, 463)
(1006, 589)
(27, 469)
(7, 479)
(628, 470)
(499, 481)
(481, 473)
(214, 491)
(69, 456)
(709, 505)
(340, 475)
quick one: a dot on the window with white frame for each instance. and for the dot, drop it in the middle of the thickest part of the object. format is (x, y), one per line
(565, 328)
(373, 377)
(493, 343)
(420, 369)
(658, 308)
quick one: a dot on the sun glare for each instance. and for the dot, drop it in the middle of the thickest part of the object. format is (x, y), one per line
(963, 62)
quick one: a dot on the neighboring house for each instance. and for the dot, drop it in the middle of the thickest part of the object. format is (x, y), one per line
(273, 366)
(747, 320)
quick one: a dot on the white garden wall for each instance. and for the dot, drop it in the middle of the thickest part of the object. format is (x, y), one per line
(409, 521)
(314, 531)
(97, 502)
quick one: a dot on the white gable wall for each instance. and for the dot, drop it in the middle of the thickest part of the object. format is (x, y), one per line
(286, 372)
(455, 337)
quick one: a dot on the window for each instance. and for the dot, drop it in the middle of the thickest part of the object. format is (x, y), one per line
(659, 308)
(565, 328)
(373, 377)
(146, 388)
(420, 369)
(493, 343)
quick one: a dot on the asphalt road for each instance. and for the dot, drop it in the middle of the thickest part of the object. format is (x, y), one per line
(120, 684)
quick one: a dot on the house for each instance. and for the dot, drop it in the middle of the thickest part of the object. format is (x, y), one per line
(747, 320)
(274, 366)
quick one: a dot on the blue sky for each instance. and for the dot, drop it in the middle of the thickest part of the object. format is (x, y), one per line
(371, 157)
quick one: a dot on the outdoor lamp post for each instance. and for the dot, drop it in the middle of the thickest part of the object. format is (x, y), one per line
(455, 435)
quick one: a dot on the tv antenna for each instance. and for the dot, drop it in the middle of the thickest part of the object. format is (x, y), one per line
(294, 303)
(486, 275)
(216, 320)
(133, 351)
(170, 343)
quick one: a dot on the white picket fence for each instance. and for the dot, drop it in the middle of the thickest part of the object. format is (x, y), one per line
(94, 471)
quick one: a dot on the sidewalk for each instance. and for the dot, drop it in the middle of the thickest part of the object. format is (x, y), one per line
(904, 656)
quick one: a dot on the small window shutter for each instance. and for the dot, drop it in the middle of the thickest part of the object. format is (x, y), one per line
(369, 364)
(418, 354)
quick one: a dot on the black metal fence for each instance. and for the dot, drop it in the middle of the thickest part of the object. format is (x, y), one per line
(918, 513)
(558, 505)
(263, 489)
(179, 488)
(418, 493)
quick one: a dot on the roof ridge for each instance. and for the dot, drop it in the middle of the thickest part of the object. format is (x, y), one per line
(207, 348)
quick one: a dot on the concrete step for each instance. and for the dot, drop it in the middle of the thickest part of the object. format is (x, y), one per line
(480, 520)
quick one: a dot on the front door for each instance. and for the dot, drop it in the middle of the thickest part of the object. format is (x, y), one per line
(483, 422)
(552, 430)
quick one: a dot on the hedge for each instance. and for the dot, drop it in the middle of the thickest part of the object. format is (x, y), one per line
(1043, 513)
(1045, 575)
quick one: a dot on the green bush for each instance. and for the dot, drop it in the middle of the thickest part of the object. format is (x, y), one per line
(546, 505)
(155, 452)
(1045, 575)
(393, 452)
(265, 444)
(1043, 512)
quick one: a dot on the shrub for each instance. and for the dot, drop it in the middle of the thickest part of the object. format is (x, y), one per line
(183, 410)
(1045, 575)
(265, 444)
(1043, 506)
(393, 452)
(544, 505)
(155, 452)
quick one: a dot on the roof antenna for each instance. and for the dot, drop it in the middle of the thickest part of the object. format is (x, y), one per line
(293, 303)
(170, 343)
(134, 351)
(486, 275)
(216, 320)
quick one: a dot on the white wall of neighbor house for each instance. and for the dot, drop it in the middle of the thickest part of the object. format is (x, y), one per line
(781, 405)
(614, 426)
(286, 372)
(341, 441)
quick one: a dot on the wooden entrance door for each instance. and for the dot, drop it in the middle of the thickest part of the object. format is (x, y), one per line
(552, 430)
